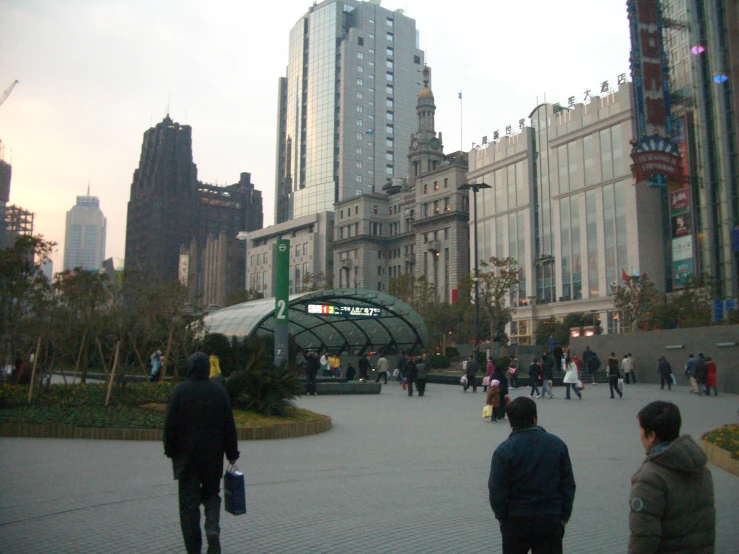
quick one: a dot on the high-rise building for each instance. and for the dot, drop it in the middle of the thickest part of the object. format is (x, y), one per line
(178, 227)
(345, 106)
(701, 40)
(84, 238)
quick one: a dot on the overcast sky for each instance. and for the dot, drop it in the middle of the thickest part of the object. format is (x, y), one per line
(95, 74)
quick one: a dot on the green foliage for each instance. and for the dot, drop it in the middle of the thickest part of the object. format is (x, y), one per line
(262, 386)
(318, 281)
(733, 317)
(438, 361)
(503, 362)
(132, 394)
(635, 300)
(689, 307)
(552, 327)
(452, 353)
(497, 277)
(120, 417)
(241, 296)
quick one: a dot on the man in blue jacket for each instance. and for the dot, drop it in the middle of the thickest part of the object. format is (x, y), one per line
(531, 485)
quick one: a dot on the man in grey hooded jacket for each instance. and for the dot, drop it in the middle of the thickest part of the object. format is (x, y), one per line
(672, 505)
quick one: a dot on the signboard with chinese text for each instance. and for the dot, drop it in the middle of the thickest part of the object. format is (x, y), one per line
(656, 158)
(682, 248)
(345, 311)
(681, 219)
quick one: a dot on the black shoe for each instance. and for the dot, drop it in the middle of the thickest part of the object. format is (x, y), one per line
(214, 543)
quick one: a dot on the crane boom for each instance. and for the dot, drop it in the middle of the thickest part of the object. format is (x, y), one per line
(7, 91)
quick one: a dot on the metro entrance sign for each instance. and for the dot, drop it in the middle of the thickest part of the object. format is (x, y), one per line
(282, 290)
(345, 311)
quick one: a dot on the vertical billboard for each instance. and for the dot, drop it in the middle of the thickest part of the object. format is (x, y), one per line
(282, 301)
(656, 157)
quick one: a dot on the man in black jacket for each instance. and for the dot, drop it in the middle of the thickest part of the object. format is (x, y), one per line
(198, 430)
(531, 485)
(312, 364)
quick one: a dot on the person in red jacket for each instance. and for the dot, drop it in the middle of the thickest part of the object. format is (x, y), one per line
(711, 377)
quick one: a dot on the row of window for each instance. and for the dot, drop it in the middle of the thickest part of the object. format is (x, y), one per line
(388, 51)
(436, 207)
(436, 185)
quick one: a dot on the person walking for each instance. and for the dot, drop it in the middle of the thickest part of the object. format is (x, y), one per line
(470, 371)
(421, 374)
(672, 498)
(531, 484)
(382, 367)
(571, 378)
(156, 366)
(547, 369)
(489, 370)
(350, 372)
(513, 372)
(558, 357)
(215, 368)
(311, 371)
(198, 430)
(690, 373)
(334, 365)
(500, 376)
(591, 361)
(364, 368)
(614, 375)
(410, 375)
(534, 378)
(711, 382)
(700, 373)
(665, 373)
(324, 364)
(627, 367)
(493, 399)
(402, 360)
(551, 344)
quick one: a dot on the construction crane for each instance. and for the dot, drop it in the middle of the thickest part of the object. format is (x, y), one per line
(7, 91)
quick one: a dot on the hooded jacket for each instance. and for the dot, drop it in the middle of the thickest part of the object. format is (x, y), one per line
(672, 507)
(199, 427)
(664, 368)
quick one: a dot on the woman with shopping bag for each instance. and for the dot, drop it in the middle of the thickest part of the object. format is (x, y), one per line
(571, 379)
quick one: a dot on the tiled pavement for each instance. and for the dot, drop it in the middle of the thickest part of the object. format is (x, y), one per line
(395, 474)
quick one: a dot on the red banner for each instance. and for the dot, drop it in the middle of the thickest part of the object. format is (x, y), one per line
(651, 163)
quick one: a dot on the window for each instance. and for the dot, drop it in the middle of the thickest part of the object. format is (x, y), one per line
(356, 210)
(370, 158)
(446, 182)
(389, 37)
(360, 41)
(374, 209)
(360, 109)
(359, 150)
(436, 207)
(372, 36)
(425, 188)
(360, 69)
(305, 249)
(370, 116)
(417, 60)
(371, 64)
(360, 55)
(389, 64)
(341, 214)
(389, 102)
(389, 22)
(360, 95)
(389, 156)
(389, 129)
(389, 169)
(358, 178)
(297, 250)
(372, 50)
(389, 51)
(371, 76)
(371, 90)
(389, 89)
(389, 116)
(389, 142)
(360, 82)
(359, 164)
(372, 21)
(436, 185)
(371, 103)
(360, 123)
(447, 208)
(360, 136)
(389, 77)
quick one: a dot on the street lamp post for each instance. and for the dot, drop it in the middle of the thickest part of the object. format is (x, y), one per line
(474, 187)
(532, 303)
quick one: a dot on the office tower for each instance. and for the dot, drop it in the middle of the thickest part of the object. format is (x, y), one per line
(178, 227)
(346, 105)
(702, 47)
(84, 238)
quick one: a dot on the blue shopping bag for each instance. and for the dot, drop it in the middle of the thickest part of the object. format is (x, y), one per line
(234, 491)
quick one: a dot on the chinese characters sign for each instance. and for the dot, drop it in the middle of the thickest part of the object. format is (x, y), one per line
(656, 158)
(345, 311)
(681, 217)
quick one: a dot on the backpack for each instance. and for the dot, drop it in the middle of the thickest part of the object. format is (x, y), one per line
(593, 363)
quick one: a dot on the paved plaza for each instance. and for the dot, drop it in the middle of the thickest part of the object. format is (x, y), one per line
(395, 474)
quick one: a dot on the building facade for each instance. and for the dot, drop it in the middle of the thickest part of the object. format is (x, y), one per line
(311, 261)
(84, 237)
(563, 204)
(17, 222)
(180, 228)
(417, 226)
(345, 105)
(702, 47)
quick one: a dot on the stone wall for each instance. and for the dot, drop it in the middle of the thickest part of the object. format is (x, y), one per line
(675, 345)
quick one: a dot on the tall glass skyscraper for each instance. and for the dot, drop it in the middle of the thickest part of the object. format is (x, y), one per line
(346, 106)
(84, 239)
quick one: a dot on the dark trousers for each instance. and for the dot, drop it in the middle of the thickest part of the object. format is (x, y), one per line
(409, 384)
(514, 380)
(574, 389)
(199, 485)
(310, 378)
(540, 534)
(534, 388)
(629, 376)
(421, 384)
(381, 374)
(665, 379)
(471, 382)
(613, 383)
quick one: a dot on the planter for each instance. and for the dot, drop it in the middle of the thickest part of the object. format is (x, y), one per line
(720, 457)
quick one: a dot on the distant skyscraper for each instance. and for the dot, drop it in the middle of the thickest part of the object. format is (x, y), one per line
(346, 106)
(84, 239)
(178, 227)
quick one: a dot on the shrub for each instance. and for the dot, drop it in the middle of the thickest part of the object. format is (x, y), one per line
(120, 417)
(132, 394)
(503, 362)
(437, 361)
(452, 353)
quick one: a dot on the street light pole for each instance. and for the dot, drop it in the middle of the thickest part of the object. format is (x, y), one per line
(474, 187)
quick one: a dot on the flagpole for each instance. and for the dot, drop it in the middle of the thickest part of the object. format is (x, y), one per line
(461, 124)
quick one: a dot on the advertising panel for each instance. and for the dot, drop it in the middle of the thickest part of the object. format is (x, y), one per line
(682, 248)
(681, 272)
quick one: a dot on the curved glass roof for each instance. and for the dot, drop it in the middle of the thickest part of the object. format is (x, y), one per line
(398, 326)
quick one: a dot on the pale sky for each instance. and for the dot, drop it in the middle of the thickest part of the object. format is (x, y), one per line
(95, 74)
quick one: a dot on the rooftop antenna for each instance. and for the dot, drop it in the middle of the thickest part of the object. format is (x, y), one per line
(169, 96)
(88, 184)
